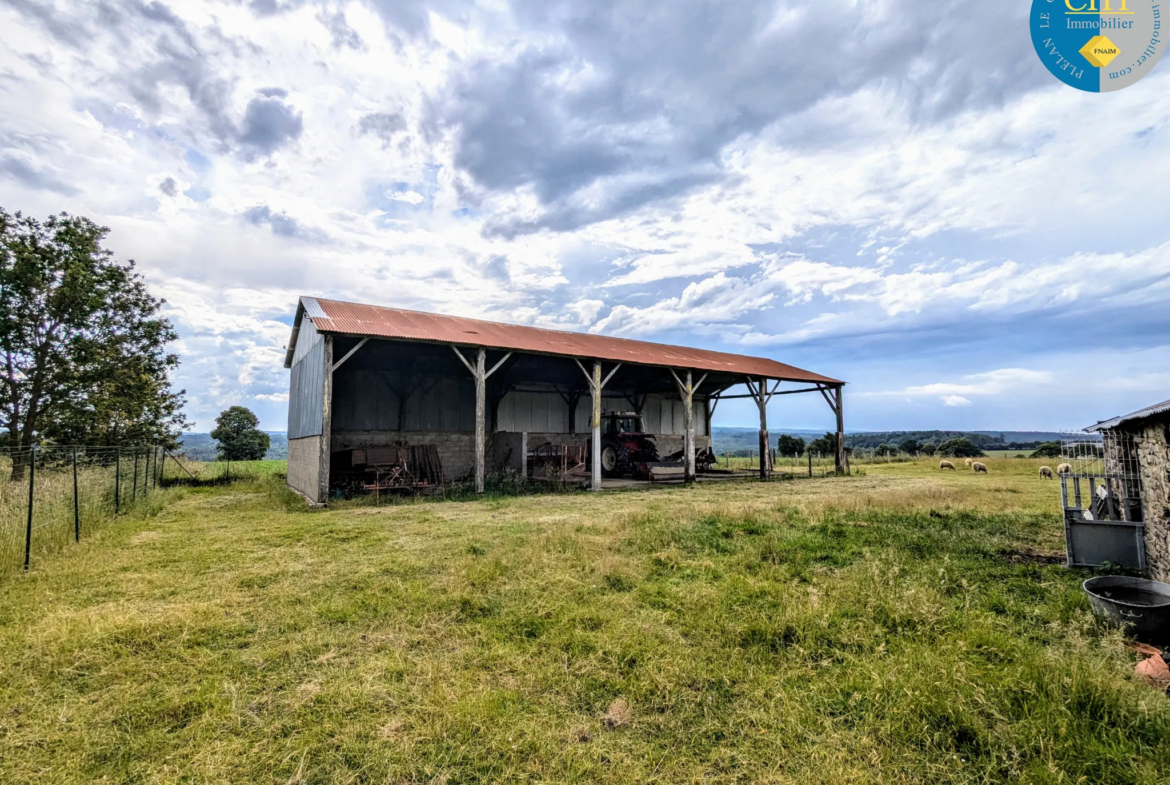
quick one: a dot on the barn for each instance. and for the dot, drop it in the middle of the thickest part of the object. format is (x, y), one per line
(1137, 446)
(445, 398)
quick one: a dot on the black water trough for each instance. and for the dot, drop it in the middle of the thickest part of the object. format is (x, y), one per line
(1139, 606)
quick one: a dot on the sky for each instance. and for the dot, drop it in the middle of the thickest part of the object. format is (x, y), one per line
(893, 194)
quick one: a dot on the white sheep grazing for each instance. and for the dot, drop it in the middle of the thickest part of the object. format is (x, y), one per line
(1046, 473)
(969, 461)
(946, 465)
(979, 468)
(1064, 468)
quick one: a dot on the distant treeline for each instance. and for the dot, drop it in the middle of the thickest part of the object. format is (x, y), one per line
(740, 441)
(201, 447)
(984, 440)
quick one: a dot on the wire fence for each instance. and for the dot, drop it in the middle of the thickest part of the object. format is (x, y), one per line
(55, 495)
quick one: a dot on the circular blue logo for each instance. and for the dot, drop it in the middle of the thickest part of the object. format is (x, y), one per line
(1098, 45)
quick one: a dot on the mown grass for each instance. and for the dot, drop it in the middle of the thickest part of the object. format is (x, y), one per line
(903, 626)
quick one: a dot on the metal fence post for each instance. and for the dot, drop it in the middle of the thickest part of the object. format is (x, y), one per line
(117, 481)
(76, 503)
(134, 485)
(32, 473)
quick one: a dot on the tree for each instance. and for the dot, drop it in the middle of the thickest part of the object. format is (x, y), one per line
(83, 348)
(885, 450)
(238, 435)
(910, 447)
(1048, 450)
(825, 445)
(790, 445)
(959, 448)
(928, 449)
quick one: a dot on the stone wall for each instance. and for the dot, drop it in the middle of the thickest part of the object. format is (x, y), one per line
(1153, 445)
(304, 466)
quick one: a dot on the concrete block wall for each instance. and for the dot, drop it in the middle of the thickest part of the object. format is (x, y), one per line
(456, 448)
(304, 466)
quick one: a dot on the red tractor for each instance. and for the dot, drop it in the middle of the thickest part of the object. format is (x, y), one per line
(626, 448)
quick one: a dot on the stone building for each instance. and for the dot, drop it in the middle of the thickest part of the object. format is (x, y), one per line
(1138, 444)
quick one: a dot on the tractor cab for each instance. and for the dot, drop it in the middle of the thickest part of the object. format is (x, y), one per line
(614, 424)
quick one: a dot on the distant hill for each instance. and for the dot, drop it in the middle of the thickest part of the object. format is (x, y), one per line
(201, 447)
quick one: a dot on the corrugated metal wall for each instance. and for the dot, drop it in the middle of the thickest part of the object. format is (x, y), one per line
(537, 413)
(365, 401)
(549, 413)
(306, 395)
(307, 338)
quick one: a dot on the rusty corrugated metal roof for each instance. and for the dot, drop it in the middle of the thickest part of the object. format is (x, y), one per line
(1141, 414)
(332, 316)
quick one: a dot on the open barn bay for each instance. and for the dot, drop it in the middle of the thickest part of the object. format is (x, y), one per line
(903, 625)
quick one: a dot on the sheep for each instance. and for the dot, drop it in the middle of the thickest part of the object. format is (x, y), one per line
(968, 462)
(946, 465)
(1046, 473)
(1064, 468)
(980, 468)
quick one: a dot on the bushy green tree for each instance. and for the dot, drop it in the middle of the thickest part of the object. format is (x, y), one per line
(959, 448)
(790, 445)
(238, 434)
(928, 449)
(910, 447)
(1048, 450)
(825, 445)
(885, 450)
(83, 351)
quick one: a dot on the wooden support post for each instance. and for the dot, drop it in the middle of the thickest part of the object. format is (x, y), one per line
(480, 417)
(595, 426)
(596, 385)
(689, 430)
(842, 466)
(480, 373)
(765, 447)
(325, 448)
(686, 391)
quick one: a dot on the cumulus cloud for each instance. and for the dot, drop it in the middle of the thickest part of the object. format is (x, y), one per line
(33, 173)
(270, 123)
(956, 401)
(988, 383)
(615, 96)
(410, 197)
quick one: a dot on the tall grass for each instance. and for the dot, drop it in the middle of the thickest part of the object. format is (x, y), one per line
(902, 626)
(56, 519)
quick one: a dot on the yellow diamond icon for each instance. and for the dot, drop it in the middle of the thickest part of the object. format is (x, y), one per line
(1100, 51)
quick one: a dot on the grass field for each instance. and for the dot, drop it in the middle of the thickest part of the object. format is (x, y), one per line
(905, 625)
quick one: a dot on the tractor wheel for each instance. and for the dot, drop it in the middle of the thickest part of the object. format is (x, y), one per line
(649, 452)
(615, 459)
